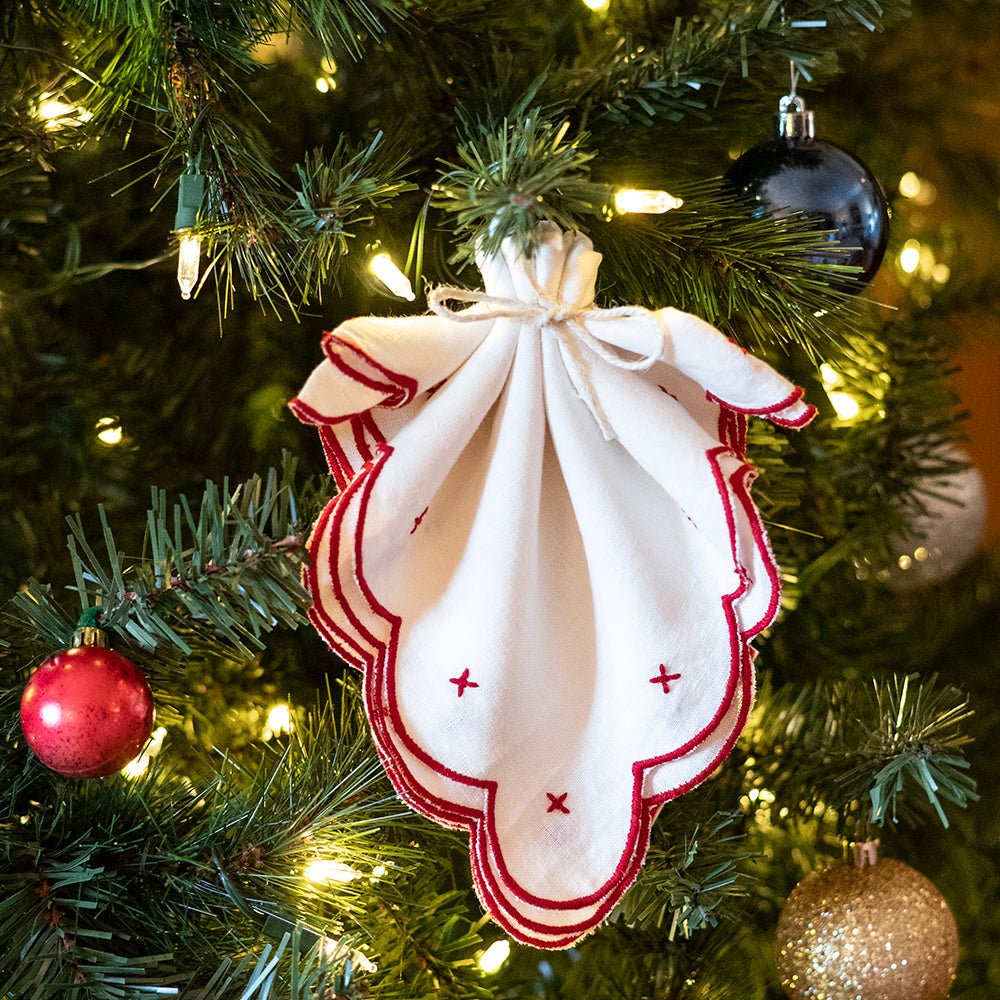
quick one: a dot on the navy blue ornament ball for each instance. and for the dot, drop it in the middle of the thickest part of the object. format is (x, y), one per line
(798, 173)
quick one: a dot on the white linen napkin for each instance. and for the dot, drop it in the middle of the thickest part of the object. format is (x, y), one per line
(545, 558)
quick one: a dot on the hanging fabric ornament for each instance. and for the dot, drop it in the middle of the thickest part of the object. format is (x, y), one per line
(875, 929)
(796, 173)
(87, 711)
(545, 559)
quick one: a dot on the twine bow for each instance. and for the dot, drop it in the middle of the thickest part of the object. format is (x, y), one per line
(569, 323)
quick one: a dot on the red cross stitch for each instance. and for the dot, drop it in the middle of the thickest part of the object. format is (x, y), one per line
(557, 803)
(418, 519)
(462, 682)
(663, 388)
(664, 678)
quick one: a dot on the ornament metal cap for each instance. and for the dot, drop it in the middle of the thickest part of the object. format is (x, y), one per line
(90, 636)
(792, 119)
(87, 632)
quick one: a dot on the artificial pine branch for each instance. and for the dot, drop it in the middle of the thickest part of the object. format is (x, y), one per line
(688, 882)
(519, 171)
(836, 509)
(337, 193)
(754, 278)
(682, 74)
(226, 573)
(188, 65)
(120, 864)
(858, 749)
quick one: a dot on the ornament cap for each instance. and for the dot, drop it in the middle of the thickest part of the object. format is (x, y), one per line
(88, 632)
(90, 635)
(793, 120)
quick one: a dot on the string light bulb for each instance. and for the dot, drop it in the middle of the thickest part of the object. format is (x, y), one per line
(336, 951)
(917, 189)
(109, 431)
(645, 202)
(597, 5)
(279, 722)
(55, 113)
(830, 375)
(382, 266)
(52, 109)
(137, 767)
(327, 870)
(941, 273)
(909, 258)
(846, 406)
(190, 192)
(188, 264)
(493, 958)
(909, 185)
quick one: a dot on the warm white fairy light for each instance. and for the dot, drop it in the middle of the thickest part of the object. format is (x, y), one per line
(279, 721)
(327, 870)
(845, 405)
(336, 951)
(910, 185)
(645, 202)
(597, 5)
(830, 375)
(909, 258)
(52, 109)
(494, 957)
(56, 113)
(326, 82)
(138, 766)
(188, 263)
(917, 189)
(385, 270)
(941, 273)
(109, 431)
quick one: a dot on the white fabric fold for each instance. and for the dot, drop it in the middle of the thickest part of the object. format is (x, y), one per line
(548, 565)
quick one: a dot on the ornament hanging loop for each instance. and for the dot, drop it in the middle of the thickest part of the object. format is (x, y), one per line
(865, 854)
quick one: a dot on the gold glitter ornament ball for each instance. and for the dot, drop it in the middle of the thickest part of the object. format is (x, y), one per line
(881, 932)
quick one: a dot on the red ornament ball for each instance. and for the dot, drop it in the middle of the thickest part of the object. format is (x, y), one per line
(86, 712)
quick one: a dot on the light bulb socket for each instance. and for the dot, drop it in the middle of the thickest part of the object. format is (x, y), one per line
(190, 192)
(793, 121)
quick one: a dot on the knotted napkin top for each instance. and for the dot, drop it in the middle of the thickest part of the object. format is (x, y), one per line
(554, 289)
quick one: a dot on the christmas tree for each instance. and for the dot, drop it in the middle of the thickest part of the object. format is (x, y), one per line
(296, 163)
